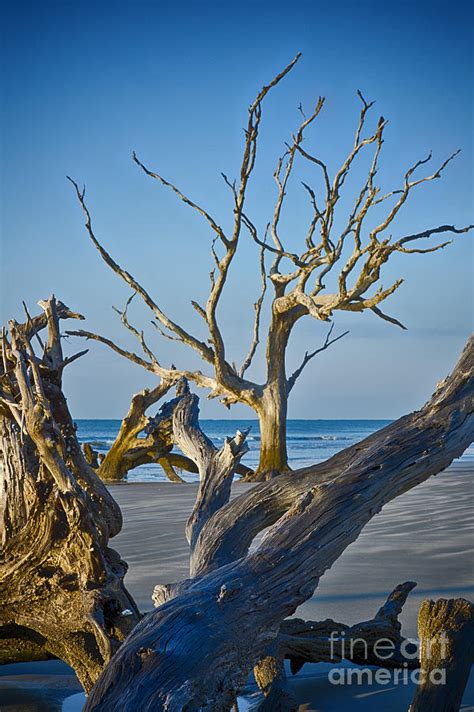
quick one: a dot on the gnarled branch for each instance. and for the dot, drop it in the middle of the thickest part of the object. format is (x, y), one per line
(62, 586)
(216, 467)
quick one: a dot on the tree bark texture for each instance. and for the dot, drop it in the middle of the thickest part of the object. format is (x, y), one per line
(62, 586)
(446, 632)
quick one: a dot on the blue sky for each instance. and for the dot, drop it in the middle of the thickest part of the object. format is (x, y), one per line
(84, 84)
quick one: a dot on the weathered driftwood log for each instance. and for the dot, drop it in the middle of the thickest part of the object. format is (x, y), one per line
(311, 642)
(130, 449)
(446, 632)
(374, 642)
(196, 650)
(62, 586)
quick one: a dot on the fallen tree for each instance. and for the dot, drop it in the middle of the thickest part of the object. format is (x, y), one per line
(62, 588)
(143, 440)
(195, 650)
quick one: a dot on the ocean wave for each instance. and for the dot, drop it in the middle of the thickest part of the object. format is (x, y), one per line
(291, 438)
(97, 443)
(315, 437)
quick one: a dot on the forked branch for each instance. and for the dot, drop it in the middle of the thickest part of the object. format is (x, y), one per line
(309, 355)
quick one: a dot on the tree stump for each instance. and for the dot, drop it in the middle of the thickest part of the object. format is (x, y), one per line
(446, 632)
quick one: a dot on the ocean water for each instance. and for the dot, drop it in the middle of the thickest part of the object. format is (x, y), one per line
(309, 441)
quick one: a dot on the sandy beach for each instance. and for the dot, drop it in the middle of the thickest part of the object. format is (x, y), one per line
(425, 535)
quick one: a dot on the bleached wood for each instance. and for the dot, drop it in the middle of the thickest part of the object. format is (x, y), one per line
(216, 467)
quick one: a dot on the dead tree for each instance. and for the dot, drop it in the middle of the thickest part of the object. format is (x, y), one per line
(356, 253)
(303, 642)
(62, 586)
(446, 632)
(195, 651)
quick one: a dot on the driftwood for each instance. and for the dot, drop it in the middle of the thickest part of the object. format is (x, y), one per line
(374, 642)
(309, 641)
(62, 586)
(144, 439)
(129, 450)
(337, 247)
(446, 632)
(216, 467)
(195, 651)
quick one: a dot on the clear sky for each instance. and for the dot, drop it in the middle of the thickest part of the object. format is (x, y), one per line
(85, 83)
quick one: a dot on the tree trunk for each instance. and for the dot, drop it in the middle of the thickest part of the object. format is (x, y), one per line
(272, 408)
(272, 416)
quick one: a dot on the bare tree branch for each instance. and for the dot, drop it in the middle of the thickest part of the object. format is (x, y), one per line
(216, 467)
(258, 310)
(386, 317)
(130, 355)
(223, 373)
(309, 355)
(218, 230)
(434, 231)
(200, 379)
(199, 346)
